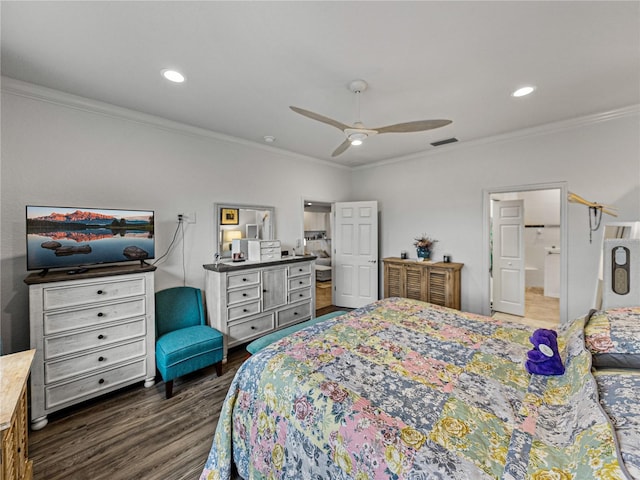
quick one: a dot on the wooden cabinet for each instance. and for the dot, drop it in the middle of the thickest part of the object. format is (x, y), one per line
(434, 282)
(14, 458)
(93, 333)
(246, 301)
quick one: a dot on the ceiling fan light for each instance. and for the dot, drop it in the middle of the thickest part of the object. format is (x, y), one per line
(357, 138)
(173, 76)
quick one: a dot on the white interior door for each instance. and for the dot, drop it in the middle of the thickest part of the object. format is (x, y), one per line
(508, 256)
(355, 241)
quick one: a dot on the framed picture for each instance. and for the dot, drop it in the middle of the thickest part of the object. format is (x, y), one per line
(229, 216)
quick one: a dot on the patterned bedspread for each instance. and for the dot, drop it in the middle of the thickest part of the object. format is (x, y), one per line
(619, 393)
(402, 389)
(613, 337)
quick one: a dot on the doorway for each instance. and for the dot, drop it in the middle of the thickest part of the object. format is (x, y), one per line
(525, 245)
(317, 221)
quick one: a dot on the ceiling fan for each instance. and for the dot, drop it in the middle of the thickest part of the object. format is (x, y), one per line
(358, 132)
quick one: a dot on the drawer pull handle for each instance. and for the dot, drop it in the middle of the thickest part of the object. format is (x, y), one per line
(300, 282)
(244, 294)
(101, 314)
(245, 310)
(100, 292)
(101, 359)
(100, 337)
(302, 294)
(295, 313)
(264, 291)
(244, 279)
(253, 327)
(101, 381)
(299, 269)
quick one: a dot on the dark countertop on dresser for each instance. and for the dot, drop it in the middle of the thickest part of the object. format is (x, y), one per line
(229, 266)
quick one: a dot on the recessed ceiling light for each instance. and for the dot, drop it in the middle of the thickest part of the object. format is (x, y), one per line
(173, 76)
(269, 138)
(521, 92)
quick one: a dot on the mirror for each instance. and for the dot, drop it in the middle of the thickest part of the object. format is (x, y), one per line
(235, 222)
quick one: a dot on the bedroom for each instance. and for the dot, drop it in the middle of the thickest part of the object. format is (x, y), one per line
(61, 149)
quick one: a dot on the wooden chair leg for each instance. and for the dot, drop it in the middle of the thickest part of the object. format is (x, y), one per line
(218, 368)
(168, 389)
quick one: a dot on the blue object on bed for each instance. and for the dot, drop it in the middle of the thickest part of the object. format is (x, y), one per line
(257, 345)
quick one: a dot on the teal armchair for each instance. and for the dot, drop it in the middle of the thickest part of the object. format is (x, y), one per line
(184, 342)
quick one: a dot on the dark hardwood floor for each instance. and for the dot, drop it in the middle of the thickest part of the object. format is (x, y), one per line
(135, 433)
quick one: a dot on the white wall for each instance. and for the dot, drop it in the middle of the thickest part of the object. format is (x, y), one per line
(441, 193)
(53, 154)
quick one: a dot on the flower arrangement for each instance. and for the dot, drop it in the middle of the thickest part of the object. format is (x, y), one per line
(424, 242)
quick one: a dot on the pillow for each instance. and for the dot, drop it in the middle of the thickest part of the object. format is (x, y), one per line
(613, 337)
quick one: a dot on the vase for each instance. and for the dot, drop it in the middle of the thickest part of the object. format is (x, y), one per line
(424, 253)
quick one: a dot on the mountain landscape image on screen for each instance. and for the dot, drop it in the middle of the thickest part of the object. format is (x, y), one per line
(62, 237)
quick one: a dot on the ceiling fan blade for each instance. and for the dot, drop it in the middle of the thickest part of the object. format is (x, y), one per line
(320, 118)
(417, 126)
(343, 146)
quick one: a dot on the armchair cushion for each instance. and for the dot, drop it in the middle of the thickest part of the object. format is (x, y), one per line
(187, 350)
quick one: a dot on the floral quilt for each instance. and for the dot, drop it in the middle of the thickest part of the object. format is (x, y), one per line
(613, 337)
(402, 389)
(619, 393)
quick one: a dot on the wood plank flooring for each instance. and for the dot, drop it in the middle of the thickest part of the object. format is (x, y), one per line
(539, 311)
(136, 433)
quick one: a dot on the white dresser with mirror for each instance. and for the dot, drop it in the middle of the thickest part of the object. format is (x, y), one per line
(247, 300)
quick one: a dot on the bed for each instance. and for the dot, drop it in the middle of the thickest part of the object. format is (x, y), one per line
(403, 389)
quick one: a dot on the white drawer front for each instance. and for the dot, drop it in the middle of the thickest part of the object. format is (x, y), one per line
(243, 295)
(66, 296)
(246, 330)
(270, 244)
(244, 310)
(61, 321)
(299, 282)
(270, 250)
(299, 295)
(56, 346)
(300, 269)
(265, 257)
(242, 279)
(88, 386)
(294, 314)
(97, 359)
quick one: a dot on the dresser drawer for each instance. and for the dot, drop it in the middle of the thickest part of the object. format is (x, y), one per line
(61, 321)
(71, 295)
(243, 295)
(56, 346)
(270, 250)
(97, 359)
(89, 386)
(250, 329)
(298, 295)
(242, 279)
(294, 314)
(243, 310)
(265, 257)
(300, 269)
(270, 244)
(299, 282)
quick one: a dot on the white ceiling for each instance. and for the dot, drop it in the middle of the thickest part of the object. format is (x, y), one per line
(246, 62)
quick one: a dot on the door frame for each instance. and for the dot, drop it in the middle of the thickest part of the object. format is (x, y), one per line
(486, 244)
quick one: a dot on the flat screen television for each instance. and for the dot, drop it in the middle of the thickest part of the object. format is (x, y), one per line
(76, 238)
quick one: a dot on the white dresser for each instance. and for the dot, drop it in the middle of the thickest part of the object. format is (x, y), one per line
(248, 300)
(93, 332)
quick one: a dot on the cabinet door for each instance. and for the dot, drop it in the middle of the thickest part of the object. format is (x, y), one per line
(274, 288)
(439, 287)
(414, 285)
(393, 280)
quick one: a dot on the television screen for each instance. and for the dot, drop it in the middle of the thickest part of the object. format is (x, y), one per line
(62, 237)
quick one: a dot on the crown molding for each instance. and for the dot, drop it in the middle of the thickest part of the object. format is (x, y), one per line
(37, 92)
(545, 129)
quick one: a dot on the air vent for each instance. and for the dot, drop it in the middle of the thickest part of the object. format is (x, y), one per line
(444, 142)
